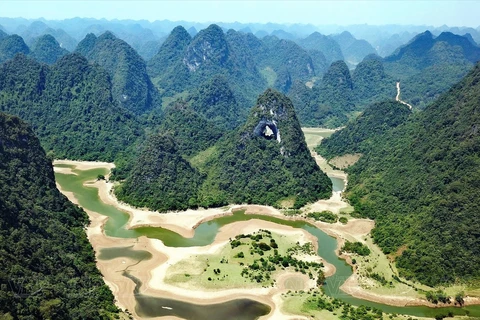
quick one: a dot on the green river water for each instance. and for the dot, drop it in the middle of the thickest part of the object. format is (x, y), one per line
(204, 234)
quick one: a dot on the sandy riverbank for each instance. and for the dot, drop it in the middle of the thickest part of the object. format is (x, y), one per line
(151, 272)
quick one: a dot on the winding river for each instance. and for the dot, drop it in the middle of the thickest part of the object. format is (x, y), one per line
(204, 235)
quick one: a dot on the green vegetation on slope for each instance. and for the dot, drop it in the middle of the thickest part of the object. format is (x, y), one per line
(69, 105)
(132, 87)
(161, 179)
(48, 266)
(419, 181)
(265, 161)
(329, 103)
(47, 50)
(359, 136)
(215, 100)
(10, 46)
(191, 131)
(371, 83)
(428, 66)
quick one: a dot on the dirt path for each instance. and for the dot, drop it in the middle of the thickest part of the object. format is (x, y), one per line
(397, 98)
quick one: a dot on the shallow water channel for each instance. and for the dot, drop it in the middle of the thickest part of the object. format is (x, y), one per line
(204, 235)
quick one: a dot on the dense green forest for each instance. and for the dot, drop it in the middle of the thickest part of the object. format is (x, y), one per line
(69, 106)
(419, 181)
(48, 266)
(161, 179)
(359, 136)
(216, 101)
(132, 87)
(10, 46)
(47, 50)
(428, 66)
(192, 131)
(264, 161)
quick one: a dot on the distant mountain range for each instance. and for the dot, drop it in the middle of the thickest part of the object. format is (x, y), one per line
(306, 69)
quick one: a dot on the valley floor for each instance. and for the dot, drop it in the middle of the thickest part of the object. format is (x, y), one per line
(152, 272)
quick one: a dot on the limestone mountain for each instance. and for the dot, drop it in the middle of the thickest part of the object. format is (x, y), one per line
(324, 44)
(215, 101)
(339, 95)
(183, 62)
(371, 83)
(328, 103)
(208, 50)
(38, 28)
(10, 46)
(354, 50)
(69, 105)
(428, 66)
(161, 179)
(47, 50)
(336, 97)
(265, 161)
(170, 55)
(319, 61)
(132, 87)
(288, 61)
(358, 136)
(429, 206)
(44, 252)
(192, 131)
(425, 50)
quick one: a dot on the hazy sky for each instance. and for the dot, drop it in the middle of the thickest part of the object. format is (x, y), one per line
(436, 13)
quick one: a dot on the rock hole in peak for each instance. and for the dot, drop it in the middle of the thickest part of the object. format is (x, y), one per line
(267, 129)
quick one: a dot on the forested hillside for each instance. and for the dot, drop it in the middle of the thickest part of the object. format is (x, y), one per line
(215, 101)
(428, 66)
(48, 266)
(183, 62)
(47, 50)
(265, 161)
(419, 181)
(328, 104)
(69, 106)
(161, 179)
(329, 47)
(353, 50)
(10, 46)
(360, 136)
(370, 82)
(192, 131)
(132, 87)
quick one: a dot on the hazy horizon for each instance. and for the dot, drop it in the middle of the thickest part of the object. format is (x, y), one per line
(342, 13)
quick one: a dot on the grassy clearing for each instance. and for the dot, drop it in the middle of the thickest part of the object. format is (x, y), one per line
(229, 268)
(270, 75)
(315, 305)
(313, 136)
(345, 161)
(379, 275)
(199, 159)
